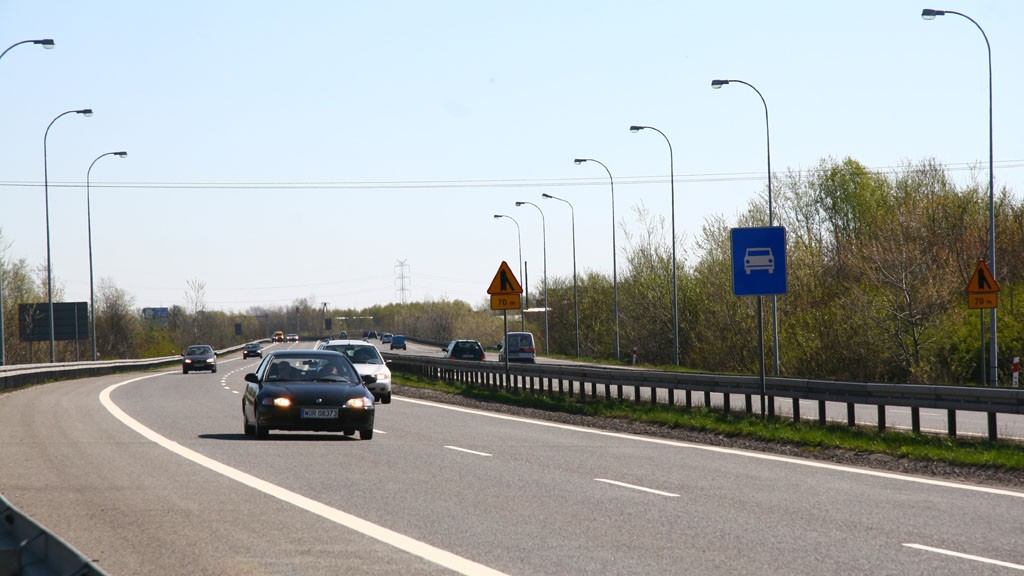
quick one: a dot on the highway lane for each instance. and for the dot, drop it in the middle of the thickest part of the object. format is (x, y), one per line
(516, 496)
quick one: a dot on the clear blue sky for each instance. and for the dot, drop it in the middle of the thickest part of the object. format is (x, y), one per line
(395, 130)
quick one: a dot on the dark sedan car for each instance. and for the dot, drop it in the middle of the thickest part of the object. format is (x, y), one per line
(464, 350)
(252, 349)
(309, 390)
(198, 357)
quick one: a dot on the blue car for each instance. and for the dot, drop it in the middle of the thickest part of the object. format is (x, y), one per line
(398, 341)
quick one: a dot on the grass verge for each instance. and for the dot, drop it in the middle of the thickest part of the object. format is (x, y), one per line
(1004, 455)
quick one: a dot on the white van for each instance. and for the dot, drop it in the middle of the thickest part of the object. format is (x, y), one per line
(519, 347)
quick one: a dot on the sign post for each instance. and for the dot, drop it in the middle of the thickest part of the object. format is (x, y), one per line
(759, 269)
(506, 294)
(982, 293)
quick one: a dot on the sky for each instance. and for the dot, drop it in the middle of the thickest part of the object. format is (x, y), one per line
(340, 151)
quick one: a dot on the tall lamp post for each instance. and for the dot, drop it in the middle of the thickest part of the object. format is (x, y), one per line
(615, 268)
(675, 292)
(993, 377)
(544, 236)
(88, 215)
(46, 192)
(575, 294)
(717, 84)
(48, 44)
(519, 236)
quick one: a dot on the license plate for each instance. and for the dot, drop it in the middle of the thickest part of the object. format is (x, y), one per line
(319, 412)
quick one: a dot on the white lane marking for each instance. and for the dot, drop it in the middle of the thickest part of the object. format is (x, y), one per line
(635, 487)
(720, 450)
(468, 451)
(402, 542)
(966, 556)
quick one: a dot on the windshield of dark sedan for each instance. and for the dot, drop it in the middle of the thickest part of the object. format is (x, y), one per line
(358, 353)
(197, 350)
(311, 369)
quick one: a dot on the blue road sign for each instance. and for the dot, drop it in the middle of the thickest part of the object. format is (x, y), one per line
(759, 261)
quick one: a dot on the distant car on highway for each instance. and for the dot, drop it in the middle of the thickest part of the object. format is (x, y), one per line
(278, 336)
(252, 349)
(518, 347)
(198, 357)
(368, 362)
(398, 342)
(464, 350)
(291, 337)
(386, 337)
(308, 390)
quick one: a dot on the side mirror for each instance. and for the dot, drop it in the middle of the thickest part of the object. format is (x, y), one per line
(369, 378)
(252, 377)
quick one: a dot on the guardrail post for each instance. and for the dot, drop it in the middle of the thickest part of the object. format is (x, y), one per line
(915, 420)
(951, 421)
(881, 417)
(771, 406)
(991, 426)
(689, 398)
(671, 396)
(851, 416)
(749, 403)
(821, 412)
(707, 399)
(725, 402)
(796, 409)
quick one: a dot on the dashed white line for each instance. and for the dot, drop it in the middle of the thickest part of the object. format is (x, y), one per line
(966, 556)
(635, 487)
(468, 451)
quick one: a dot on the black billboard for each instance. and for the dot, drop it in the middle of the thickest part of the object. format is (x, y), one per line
(70, 321)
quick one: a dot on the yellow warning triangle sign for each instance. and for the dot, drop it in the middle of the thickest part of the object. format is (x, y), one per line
(504, 282)
(982, 282)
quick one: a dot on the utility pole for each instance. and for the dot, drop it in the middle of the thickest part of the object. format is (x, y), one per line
(401, 276)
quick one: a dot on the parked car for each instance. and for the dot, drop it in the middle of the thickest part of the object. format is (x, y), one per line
(291, 337)
(398, 342)
(386, 337)
(252, 349)
(278, 336)
(314, 390)
(368, 362)
(464, 350)
(518, 347)
(198, 357)
(343, 335)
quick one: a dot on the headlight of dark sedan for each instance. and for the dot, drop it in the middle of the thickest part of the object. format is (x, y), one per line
(360, 403)
(277, 402)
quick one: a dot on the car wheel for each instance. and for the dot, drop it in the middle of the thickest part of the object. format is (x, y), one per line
(248, 429)
(366, 434)
(386, 398)
(349, 432)
(214, 369)
(261, 432)
(184, 370)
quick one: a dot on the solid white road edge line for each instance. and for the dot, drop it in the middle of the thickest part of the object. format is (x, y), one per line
(390, 537)
(635, 487)
(720, 450)
(966, 556)
(468, 451)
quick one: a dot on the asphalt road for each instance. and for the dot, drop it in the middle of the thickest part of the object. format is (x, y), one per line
(150, 474)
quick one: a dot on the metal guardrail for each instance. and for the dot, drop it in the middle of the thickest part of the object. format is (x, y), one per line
(28, 548)
(608, 383)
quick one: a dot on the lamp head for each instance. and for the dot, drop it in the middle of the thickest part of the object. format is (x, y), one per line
(497, 215)
(635, 128)
(84, 112)
(46, 43)
(579, 160)
(716, 84)
(121, 154)
(546, 195)
(520, 203)
(929, 14)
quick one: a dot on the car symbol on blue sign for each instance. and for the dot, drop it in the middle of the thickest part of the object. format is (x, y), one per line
(759, 261)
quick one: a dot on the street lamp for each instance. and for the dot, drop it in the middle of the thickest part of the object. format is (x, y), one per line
(88, 215)
(522, 317)
(717, 84)
(675, 292)
(46, 43)
(575, 295)
(929, 14)
(46, 192)
(615, 268)
(544, 236)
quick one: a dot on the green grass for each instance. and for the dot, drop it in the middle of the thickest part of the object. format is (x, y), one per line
(805, 435)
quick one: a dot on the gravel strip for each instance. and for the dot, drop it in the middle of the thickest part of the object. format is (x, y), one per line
(938, 470)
